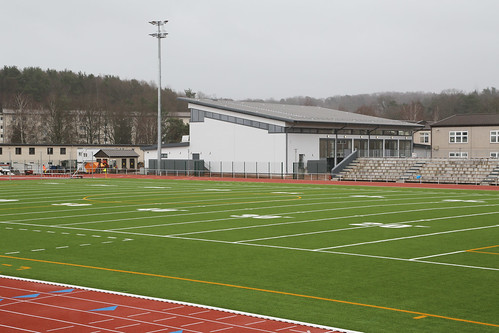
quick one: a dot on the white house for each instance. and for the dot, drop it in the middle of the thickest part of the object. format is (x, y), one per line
(268, 137)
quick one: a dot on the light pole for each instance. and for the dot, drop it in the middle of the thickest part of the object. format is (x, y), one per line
(160, 34)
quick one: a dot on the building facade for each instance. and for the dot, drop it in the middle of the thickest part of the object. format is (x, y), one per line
(466, 136)
(244, 136)
(34, 157)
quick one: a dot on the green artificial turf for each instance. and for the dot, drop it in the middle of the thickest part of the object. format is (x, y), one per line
(368, 259)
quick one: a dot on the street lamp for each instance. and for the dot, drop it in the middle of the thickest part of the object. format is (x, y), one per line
(160, 34)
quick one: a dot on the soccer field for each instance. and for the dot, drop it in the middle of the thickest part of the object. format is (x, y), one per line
(372, 259)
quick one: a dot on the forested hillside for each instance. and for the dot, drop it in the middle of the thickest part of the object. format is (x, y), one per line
(412, 106)
(66, 107)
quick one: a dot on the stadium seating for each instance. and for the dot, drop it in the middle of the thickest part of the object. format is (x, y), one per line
(458, 171)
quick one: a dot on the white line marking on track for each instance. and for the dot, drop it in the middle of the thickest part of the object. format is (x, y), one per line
(199, 312)
(131, 325)
(227, 317)
(60, 328)
(222, 329)
(256, 322)
(192, 324)
(101, 321)
(18, 328)
(138, 314)
(167, 318)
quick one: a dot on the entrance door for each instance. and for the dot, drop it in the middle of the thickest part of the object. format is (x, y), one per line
(123, 163)
(132, 163)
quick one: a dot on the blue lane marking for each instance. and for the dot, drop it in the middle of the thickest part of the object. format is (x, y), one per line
(28, 296)
(62, 291)
(109, 308)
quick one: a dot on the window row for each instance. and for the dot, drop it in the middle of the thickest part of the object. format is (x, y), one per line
(32, 151)
(198, 116)
(462, 136)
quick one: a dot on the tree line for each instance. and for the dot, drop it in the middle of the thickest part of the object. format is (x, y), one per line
(73, 108)
(56, 107)
(410, 106)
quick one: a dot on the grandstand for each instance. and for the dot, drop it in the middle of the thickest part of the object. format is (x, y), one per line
(483, 171)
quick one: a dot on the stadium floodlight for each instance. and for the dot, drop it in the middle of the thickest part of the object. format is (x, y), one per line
(160, 34)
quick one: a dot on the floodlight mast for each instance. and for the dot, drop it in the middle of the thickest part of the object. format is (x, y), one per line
(160, 34)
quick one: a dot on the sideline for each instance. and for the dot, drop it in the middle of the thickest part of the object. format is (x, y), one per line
(287, 181)
(416, 313)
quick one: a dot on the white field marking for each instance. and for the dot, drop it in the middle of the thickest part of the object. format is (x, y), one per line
(218, 189)
(409, 237)
(286, 192)
(62, 247)
(219, 211)
(15, 252)
(382, 225)
(160, 210)
(461, 200)
(72, 204)
(37, 250)
(8, 200)
(288, 213)
(156, 187)
(85, 244)
(287, 248)
(335, 252)
(316, 220)
(438, 255)
(367, 196)
(101, 185)
(256, 216)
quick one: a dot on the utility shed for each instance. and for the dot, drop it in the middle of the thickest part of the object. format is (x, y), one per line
(119, 159)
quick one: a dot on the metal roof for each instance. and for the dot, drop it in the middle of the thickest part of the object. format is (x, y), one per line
(116, 153)
(299, 113)
(480, 119)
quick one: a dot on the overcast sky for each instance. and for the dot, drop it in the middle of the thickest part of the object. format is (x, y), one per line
(263, 48)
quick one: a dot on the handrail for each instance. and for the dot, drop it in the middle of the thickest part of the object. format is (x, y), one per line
(343, 164)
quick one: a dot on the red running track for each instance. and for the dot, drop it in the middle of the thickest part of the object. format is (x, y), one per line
(33, 306)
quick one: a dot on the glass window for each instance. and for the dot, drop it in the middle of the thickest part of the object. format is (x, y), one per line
(458, 137)
(32, 151)
(63, 151)
(50, 151)
(494, 136)
(458, 155)
(424, 138)
(494, 154)
(19, 151)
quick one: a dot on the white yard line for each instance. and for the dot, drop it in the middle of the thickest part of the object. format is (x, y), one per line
(438, 255)
(415, 236)
(327, 219)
